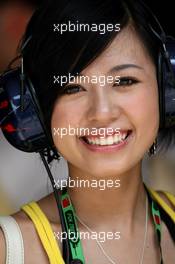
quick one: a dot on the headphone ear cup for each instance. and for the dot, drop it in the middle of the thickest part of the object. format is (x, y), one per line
(23, 129)
(168, 84)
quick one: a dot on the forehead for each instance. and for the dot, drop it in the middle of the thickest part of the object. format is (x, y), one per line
(126, 48)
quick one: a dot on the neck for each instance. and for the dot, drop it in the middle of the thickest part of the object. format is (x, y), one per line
(123, 203)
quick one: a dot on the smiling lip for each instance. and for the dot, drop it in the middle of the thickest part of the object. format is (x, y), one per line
(107, 134)
(107, 148)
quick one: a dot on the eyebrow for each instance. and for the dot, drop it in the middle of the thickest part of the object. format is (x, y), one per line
(120, 68)
(125, 66)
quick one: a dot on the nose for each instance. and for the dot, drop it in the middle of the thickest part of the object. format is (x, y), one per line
(103, 107)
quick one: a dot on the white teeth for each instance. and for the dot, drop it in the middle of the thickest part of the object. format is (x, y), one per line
(97, 141)
(124, 136)
(102, 141)
(90, 141)
(110, 140)
(116, 138)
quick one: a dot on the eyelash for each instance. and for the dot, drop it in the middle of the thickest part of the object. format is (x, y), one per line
(130, 81)
(68, 90)
(71, 88)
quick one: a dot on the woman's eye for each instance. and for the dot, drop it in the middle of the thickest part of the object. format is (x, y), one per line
(72, 89)
(126, 81)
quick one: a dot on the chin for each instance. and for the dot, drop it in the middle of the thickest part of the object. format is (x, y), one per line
(106, 171)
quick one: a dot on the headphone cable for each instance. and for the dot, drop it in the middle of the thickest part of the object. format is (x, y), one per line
(57, 194)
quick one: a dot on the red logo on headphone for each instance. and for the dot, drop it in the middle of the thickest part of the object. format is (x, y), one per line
(9, 128)
(4, 104)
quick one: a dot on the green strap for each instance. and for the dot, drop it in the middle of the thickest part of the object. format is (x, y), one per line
(156, 218)
(72, 228)
(73, 233)
(157, 224)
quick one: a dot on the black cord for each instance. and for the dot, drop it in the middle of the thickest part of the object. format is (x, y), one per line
(57, 195)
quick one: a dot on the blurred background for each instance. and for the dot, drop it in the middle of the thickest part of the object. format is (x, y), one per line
(22, 175)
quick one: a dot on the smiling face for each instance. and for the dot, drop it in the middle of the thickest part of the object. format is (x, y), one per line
(130, 105)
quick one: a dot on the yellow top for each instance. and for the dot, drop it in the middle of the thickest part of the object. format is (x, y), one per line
(46, 234)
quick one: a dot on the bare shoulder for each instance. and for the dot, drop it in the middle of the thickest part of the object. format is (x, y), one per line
(31, 239)
(2, 247)
(168, 245)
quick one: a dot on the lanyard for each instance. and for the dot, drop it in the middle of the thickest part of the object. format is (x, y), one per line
(157, 225)
(77, 256)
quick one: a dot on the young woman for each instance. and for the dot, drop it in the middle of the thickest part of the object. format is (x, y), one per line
(127, 104)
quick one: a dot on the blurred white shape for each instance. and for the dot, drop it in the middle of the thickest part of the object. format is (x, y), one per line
(23, 177)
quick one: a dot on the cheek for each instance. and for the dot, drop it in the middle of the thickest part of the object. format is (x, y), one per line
(64, 115)
(144, 110)
(60, 120)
